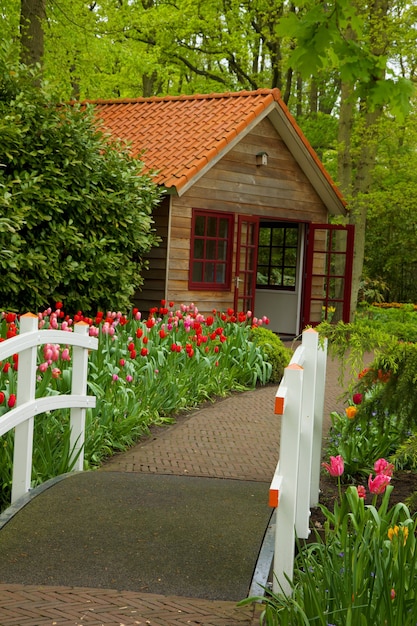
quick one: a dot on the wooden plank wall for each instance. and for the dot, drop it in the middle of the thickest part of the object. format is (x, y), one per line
(153, 288)
(278, 190)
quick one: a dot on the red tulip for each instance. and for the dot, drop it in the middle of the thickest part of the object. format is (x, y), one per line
(11, 401)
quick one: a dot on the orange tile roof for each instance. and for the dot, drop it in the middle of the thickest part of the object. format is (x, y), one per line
(177, 136)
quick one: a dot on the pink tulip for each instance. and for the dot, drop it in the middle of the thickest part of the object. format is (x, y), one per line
(383, 467)
(66, 355)
(47, 352)
(361, 491)
(378, 484)
(357, 398)
(336, 466)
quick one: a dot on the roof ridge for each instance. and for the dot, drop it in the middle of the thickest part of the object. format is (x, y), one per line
(275, 92)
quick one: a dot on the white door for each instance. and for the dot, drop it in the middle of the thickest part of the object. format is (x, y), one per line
(279, 275)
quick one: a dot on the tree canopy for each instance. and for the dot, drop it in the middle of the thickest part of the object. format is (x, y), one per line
(75, 208)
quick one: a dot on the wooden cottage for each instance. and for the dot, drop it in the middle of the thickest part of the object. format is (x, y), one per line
(244, 221)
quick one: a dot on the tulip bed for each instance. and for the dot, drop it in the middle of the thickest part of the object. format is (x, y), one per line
(360, 566)
(144, 372)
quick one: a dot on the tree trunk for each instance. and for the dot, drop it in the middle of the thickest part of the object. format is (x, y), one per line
(344, 164)
(314, 97)
(361, 187)
(32, 15)
(355, 174)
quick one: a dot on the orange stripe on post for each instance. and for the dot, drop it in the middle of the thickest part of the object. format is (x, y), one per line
(273, 498)
(279, 405)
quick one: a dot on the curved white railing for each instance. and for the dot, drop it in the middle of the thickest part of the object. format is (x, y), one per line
(27, 405)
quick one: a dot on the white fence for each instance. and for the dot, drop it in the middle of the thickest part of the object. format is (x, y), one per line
(21, 418)
(296, 482)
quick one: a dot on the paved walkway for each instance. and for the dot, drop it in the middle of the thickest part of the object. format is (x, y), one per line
(236, 439)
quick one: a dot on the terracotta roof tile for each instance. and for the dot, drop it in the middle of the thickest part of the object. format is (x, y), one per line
(180, 135)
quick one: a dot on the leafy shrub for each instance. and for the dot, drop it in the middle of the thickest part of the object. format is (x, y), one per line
(399, 320)
(372, 290)
(274, 350)
(392, 379)
(405, 456)
(76, 209)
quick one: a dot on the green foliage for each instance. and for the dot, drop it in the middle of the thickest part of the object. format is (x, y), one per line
(372, 290)
(386, 416)
(405, 456)
(350, 342)
(344, 35)
(399, 321)
(363, 572)
(361, 439)
(275, 352)
(77, 210)
(390, 253)
(392, 377)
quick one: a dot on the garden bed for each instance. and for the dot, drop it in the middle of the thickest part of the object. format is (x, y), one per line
(404, 482)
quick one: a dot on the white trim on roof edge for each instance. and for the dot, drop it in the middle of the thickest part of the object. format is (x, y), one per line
(301, 154)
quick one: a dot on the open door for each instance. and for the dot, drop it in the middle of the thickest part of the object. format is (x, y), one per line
(246, 259)
(328, 280)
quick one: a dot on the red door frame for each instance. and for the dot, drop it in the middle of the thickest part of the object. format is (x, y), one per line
(246, 263)
(326, 275)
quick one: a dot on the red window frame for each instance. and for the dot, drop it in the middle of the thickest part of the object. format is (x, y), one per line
(204, 251)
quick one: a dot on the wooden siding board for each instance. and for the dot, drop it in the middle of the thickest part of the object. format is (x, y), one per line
(286, 210)
(250, 188)
(154, 278)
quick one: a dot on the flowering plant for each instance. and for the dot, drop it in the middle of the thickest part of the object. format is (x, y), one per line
(363, 571)
(143, 372)
(357, 434)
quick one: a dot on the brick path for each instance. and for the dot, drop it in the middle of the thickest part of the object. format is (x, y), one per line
(237, 437)
(72, 606)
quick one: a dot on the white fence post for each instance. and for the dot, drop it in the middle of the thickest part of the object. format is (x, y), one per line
(302, 520)
(79, 387)
(23, 438)
(318, 423)
(291, 395)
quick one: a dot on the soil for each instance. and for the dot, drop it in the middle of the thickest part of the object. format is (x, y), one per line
(404, 482)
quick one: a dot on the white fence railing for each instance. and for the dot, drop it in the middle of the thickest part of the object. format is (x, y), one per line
(21, 418)
(296, 482)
